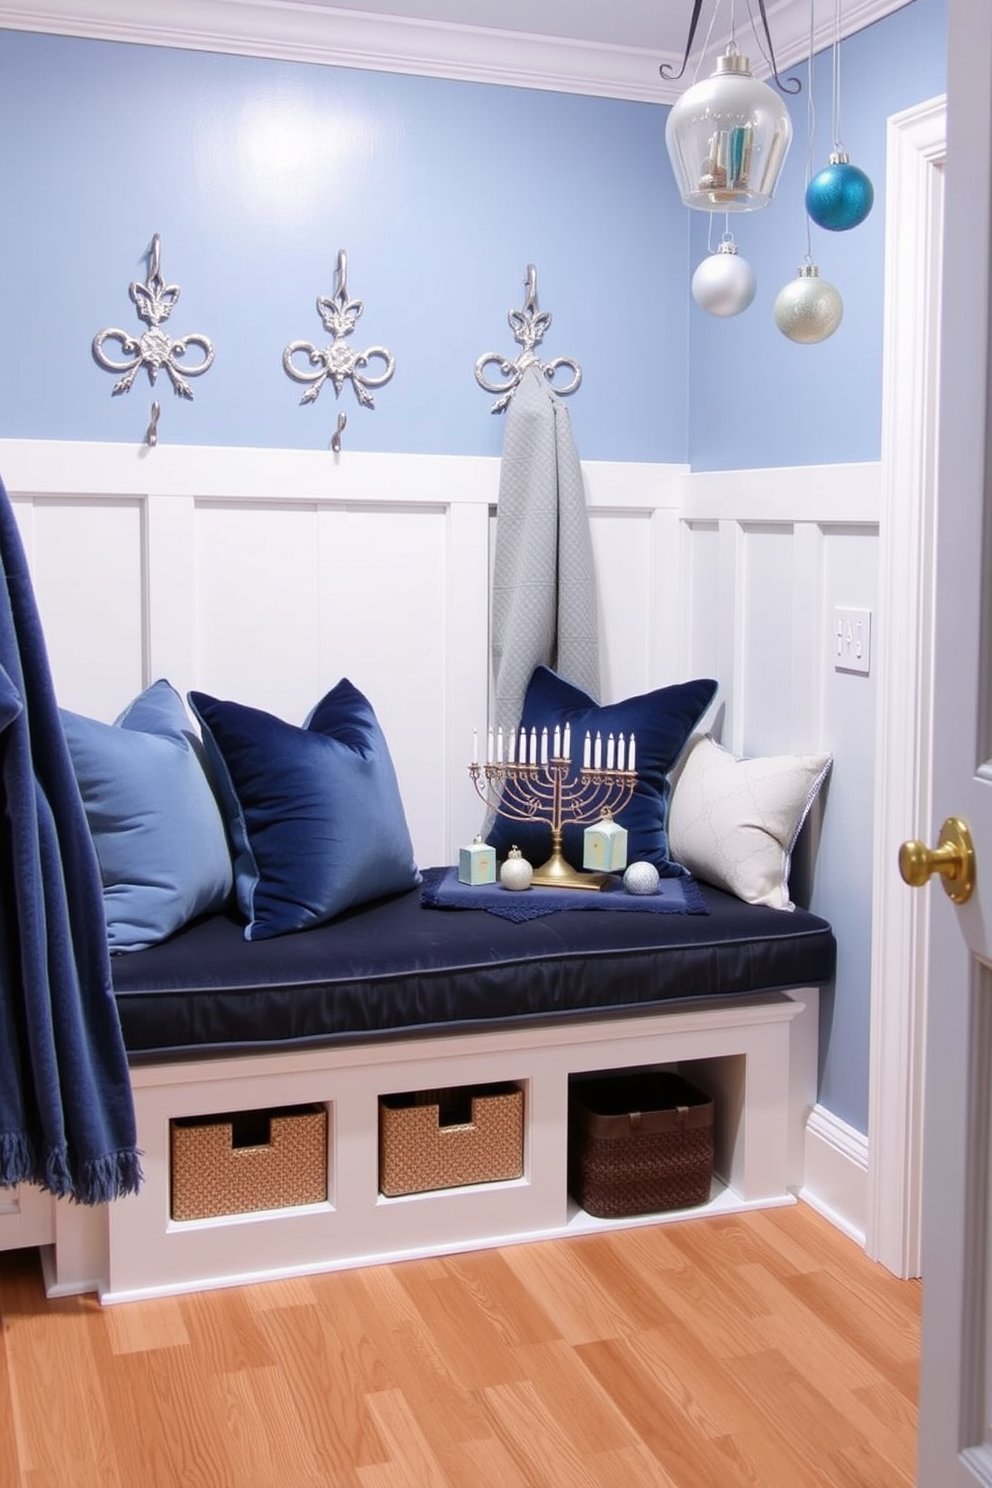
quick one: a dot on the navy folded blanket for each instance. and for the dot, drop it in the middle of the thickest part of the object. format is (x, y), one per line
(442, 890)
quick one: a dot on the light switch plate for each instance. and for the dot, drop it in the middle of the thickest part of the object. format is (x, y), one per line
(850, 640)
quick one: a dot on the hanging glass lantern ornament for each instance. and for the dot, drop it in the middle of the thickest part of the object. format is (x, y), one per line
(728, 135)
(840, 196)
(724, 283)
(808, 309)
(727, 139)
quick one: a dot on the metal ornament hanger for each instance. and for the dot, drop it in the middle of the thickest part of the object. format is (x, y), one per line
(153, 349)
(339, 361)
(528, 326)
(667, 69)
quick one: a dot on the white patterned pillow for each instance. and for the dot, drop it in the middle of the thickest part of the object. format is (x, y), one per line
(734, 822)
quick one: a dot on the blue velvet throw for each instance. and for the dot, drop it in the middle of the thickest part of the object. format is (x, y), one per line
(442, 890)
(66, 1112)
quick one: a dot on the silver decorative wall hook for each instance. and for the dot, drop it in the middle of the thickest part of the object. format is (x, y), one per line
(338, 361)
(529, 326)
(154, 349)
(336, 436)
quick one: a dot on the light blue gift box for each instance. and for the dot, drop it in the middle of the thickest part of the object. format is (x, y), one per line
(604, 846)
(477, 864)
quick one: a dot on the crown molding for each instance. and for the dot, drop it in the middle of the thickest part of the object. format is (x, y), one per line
(789, 26)
(295, 31)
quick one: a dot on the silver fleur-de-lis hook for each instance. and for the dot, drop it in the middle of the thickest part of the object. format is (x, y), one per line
(338, 361)
(530, 284)
(154, 349)
(529, 326)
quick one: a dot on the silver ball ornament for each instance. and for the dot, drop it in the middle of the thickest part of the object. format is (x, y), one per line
(641, 878)
(516, 873)
(724, 284)
(808, 309)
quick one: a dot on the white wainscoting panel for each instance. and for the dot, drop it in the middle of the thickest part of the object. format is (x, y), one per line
(266, 575)
(769, 556)
(703, 600)
(87, 561)
(769, 553)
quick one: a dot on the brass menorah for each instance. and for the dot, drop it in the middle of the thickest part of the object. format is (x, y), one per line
(527, 779)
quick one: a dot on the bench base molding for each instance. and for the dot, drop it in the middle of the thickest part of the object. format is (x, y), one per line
(756, 1056)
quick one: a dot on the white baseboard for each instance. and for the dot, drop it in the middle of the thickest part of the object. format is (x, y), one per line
(835, 1183)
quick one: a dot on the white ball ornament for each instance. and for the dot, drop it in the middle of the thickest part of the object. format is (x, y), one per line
(809, 309)
(724, 284)
(641, 878)
(516, 873)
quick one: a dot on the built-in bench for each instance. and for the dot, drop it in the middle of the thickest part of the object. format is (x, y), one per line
(396, 997)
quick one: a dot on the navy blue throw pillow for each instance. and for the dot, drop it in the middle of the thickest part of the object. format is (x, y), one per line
(661, 723)
(314, 813)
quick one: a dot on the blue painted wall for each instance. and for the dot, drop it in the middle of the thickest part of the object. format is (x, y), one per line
(757, 399)
(256, 172)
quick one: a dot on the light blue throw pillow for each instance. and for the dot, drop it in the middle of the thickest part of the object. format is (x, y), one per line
(155, 822)
(314, 813)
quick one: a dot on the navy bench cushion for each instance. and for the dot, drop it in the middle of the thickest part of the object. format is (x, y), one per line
(395, 968)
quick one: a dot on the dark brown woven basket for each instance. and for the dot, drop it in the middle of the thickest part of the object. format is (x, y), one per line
(639, 1143)
(239, 1162)
(448, 1138)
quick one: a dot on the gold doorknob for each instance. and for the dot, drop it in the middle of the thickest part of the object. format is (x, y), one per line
(953, 858)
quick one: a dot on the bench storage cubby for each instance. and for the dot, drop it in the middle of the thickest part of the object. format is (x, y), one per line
(432, 1139)
(639, 1142)
(238, 1162)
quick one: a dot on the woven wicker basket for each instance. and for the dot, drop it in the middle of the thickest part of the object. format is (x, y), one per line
(447, 1138)
(639, 1143)
(237, 1163)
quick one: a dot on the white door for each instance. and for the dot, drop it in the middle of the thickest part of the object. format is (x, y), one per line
(956, 1380)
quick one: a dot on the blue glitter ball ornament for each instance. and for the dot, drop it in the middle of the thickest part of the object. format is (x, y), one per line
(840, 196)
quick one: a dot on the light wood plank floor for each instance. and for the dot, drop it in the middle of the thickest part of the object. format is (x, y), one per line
(760, 1350)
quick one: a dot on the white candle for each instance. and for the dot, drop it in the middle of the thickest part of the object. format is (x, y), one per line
(610, 751)
(533, 746)
(544, 746)
(475, 746)
(597, 753)
(566, 742)
(499, 745)
(587, 752)
(513, 747)
(556, 751)
(621, 752)
(631, 753)
(523, 746)
(489, 748)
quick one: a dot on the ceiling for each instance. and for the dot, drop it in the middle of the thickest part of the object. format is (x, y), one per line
(656, 26)
(610, 48)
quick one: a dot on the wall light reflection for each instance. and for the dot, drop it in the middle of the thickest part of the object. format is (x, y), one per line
(285, 155)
